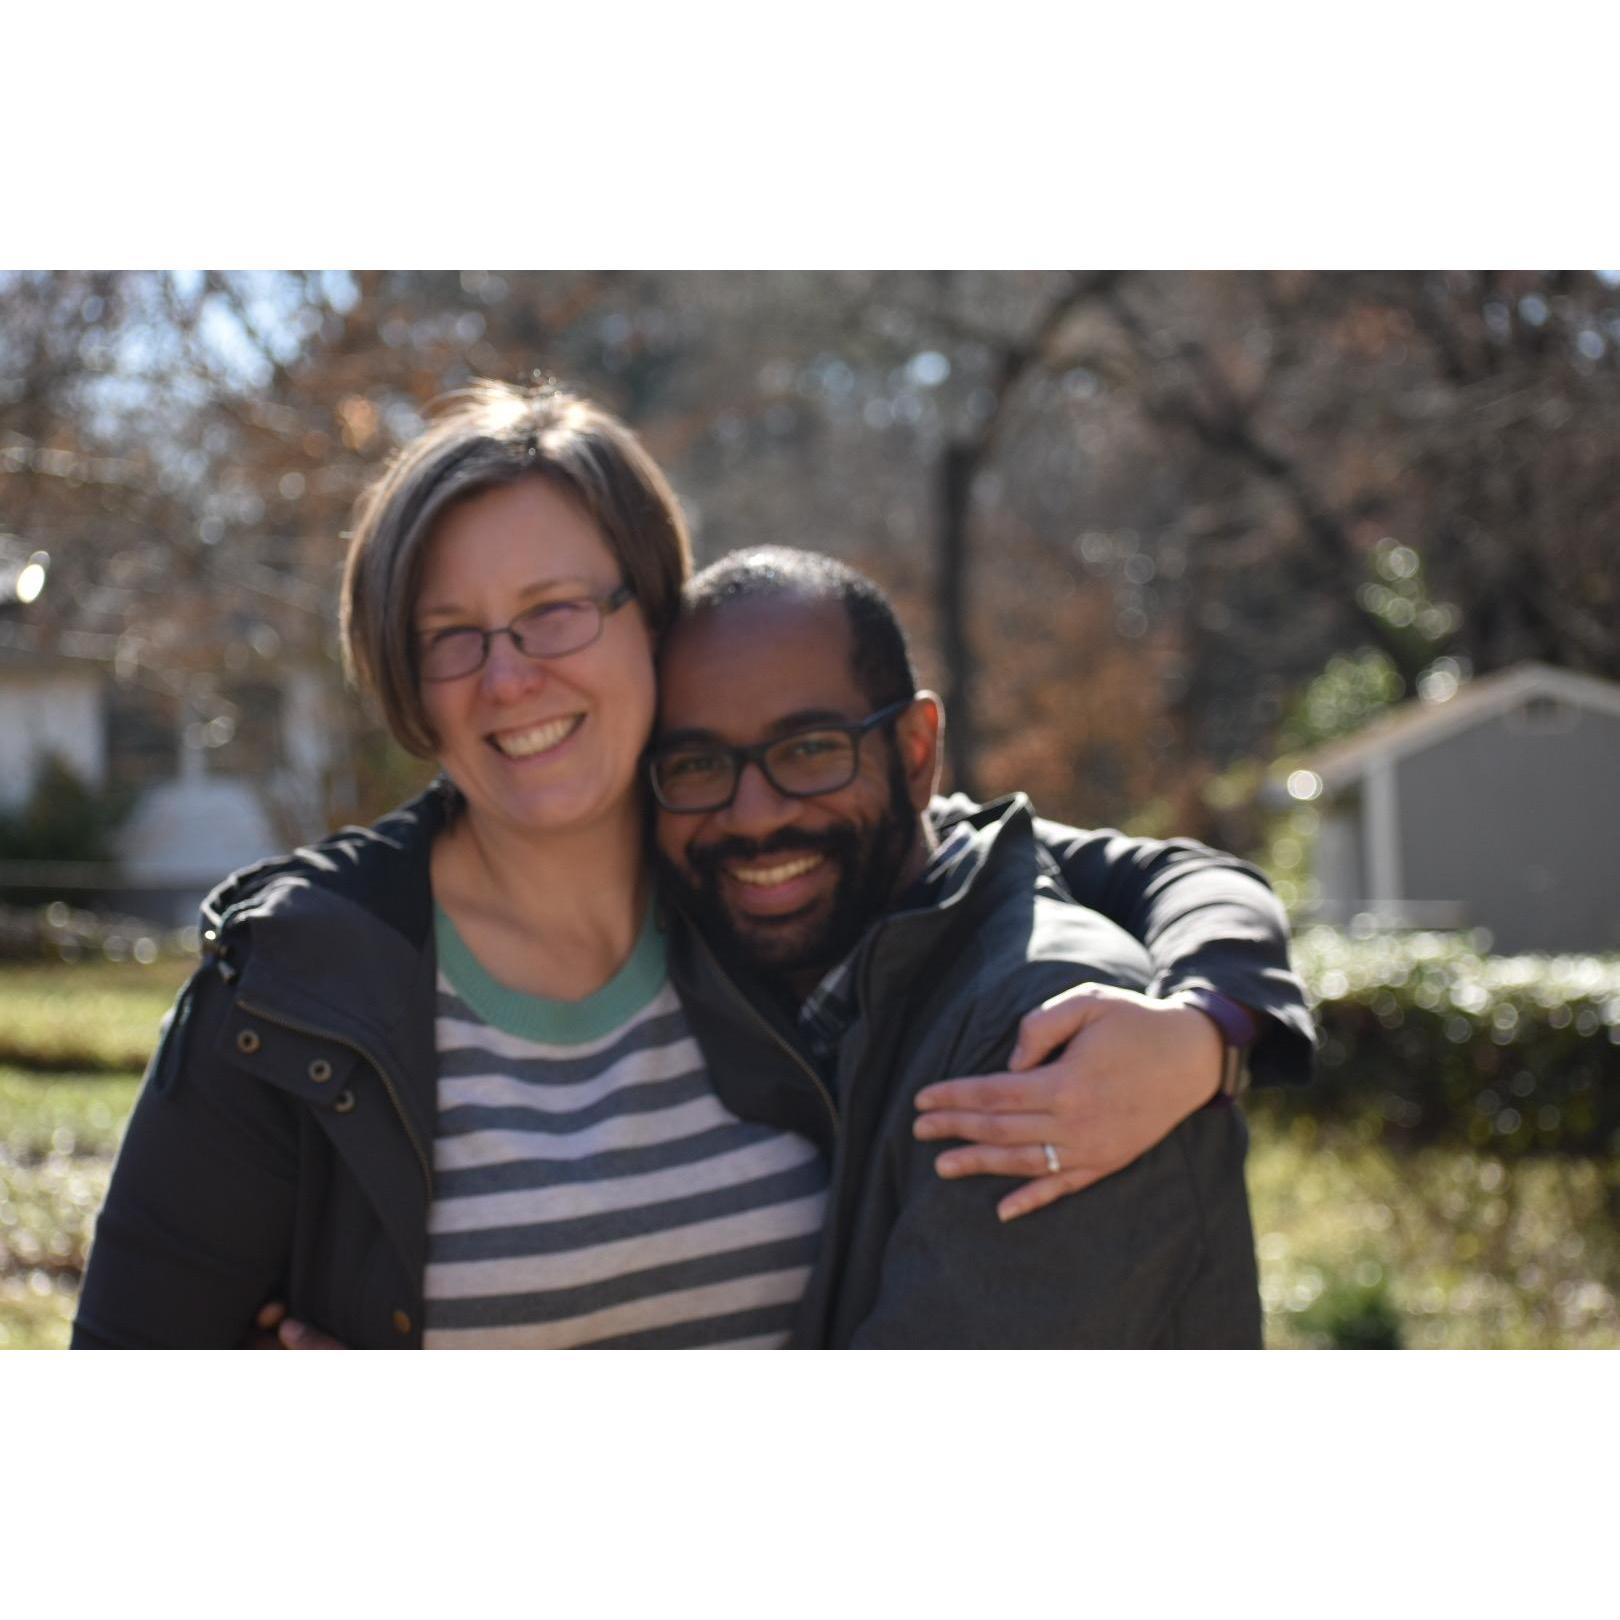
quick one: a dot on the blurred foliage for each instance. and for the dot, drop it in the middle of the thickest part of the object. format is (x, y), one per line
(1425, 1039)
(1448, 1247)
(1286, 856)
(1350, 692)
(1187, 490)
(57, 1139)
(72, 1115)
(1353, 1313)
(56, 932)
(1353, 689)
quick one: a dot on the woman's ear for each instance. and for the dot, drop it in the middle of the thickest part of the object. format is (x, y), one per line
(919, 733)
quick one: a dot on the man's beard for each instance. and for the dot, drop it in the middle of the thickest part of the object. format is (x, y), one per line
(870, 862)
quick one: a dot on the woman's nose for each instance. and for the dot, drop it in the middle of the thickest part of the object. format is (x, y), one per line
(507, 672)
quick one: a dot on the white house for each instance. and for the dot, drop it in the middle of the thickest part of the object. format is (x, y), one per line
(216, 788)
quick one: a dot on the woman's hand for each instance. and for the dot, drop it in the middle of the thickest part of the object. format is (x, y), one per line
(1130, 1069)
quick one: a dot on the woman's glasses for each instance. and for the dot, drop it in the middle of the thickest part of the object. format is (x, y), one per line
(551, 630)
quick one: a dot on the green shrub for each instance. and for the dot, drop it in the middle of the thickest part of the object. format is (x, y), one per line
(64, 819)
(1352, 1314)
(1426, 1040)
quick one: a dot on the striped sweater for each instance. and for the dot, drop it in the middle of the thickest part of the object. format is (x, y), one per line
(589, 1187)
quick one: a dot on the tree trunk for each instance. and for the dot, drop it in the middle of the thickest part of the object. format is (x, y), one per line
(956, 469)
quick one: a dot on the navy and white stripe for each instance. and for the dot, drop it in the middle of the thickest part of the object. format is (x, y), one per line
(593, 1190)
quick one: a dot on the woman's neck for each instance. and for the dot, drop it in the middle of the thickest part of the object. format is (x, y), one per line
(553, 914)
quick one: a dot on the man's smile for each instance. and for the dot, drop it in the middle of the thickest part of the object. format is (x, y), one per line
(775, 885)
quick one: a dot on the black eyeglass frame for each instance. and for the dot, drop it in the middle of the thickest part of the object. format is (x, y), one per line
(742, 758)
(606, 605)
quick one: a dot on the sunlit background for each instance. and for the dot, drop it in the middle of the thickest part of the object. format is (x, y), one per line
(1323, 568)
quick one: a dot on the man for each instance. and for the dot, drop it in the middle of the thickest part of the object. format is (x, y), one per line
(851, 951)
(850, 944)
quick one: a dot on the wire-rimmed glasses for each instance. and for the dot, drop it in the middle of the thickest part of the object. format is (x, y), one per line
(550, 630)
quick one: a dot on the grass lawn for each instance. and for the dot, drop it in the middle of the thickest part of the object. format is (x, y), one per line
(58, 1133)
(1440, 1249)
(103, 1015)
(1359, 1243)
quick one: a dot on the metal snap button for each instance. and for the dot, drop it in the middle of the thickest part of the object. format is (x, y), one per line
(320, 1071)
(248, 1042)
(343, 1103)
(402, 1322)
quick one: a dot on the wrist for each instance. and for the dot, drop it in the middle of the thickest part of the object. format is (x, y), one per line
(1236, 1027)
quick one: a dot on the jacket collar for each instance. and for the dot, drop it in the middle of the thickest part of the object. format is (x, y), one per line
(337, 939)
(383, 869)
(1006, 824)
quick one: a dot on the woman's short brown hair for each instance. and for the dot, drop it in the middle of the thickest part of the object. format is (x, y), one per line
(493, 434)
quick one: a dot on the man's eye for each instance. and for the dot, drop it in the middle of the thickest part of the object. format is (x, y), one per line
(684, 767)
(813, 745)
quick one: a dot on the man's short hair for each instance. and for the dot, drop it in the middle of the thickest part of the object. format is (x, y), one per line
(882, 661)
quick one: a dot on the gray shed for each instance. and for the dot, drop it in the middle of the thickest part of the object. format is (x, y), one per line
(1497, 808)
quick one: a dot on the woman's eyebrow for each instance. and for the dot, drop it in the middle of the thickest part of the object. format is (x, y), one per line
(540, 587)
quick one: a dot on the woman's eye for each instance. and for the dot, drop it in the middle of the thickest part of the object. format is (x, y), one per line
(551, 613)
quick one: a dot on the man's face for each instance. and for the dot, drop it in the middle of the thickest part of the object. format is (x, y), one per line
(790, 884)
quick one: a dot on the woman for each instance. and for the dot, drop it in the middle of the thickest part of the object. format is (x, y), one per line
(461, 1019)
(430, 1085)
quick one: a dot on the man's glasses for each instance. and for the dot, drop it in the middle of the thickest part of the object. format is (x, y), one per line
(551, 630)
(691, 777)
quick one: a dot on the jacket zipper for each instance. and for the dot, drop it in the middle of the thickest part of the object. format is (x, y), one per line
(765, 1024)
(360, 1051)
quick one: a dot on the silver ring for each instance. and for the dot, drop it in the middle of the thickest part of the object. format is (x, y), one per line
(1052, 1164)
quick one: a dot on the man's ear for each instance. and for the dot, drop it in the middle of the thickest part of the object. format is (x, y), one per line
(919, 732)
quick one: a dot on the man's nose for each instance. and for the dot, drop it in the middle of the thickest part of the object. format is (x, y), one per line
(757, 808)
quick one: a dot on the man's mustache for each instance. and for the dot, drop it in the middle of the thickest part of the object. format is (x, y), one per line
(707, 859)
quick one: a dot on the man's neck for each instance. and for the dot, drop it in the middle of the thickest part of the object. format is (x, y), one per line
(916, 862)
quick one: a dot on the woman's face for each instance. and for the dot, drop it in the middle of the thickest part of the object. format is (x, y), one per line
(541, 746)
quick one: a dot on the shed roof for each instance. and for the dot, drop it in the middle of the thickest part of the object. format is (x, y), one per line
(1417, 725)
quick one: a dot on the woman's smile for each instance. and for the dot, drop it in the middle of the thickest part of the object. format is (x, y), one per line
(543, 738)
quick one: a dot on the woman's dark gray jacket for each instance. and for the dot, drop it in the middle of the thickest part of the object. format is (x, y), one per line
(281, 1147)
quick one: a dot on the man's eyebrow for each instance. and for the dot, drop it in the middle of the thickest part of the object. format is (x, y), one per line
(676, 735)
(801, 718)
(782, 726)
